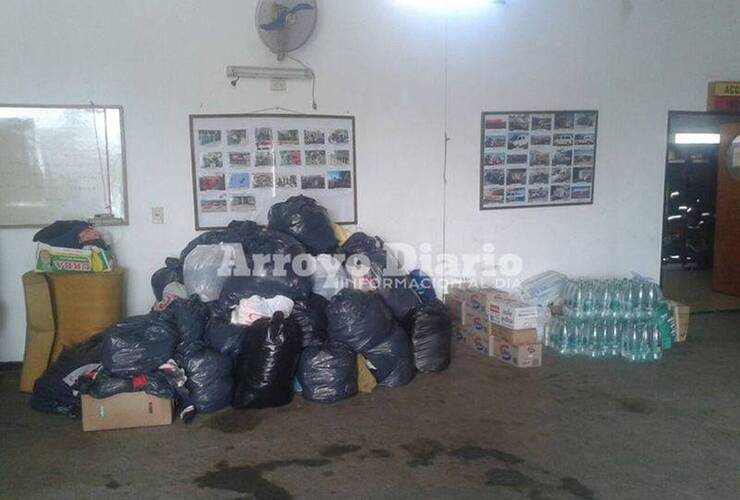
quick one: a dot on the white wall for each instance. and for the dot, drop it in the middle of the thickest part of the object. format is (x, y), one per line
(631, 60)
(383, 63)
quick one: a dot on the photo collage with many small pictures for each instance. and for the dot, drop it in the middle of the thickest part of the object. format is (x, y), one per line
(537, 158)
(235, 165)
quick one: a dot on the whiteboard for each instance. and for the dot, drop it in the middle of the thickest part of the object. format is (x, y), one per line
(61, 162)
(244, 163)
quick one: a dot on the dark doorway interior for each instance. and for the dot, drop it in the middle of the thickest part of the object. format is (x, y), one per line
(689, 210)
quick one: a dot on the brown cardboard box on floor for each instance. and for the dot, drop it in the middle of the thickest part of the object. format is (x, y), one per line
(456, 307)
(681, 314)
(125, 410)
(479, 322)
(521, 356)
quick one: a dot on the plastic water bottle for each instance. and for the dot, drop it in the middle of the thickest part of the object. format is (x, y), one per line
(656, 343)
(630, 340)
(568, 339)
(613, 336)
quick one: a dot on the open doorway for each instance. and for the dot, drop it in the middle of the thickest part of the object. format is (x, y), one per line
(694, 158)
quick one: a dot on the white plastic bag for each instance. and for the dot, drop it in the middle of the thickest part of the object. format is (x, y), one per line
(255, 307)
(207, 266)
(542, 289)
(330, 276)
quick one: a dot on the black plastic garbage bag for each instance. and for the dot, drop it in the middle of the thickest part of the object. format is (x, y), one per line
(394, 285)
(399, 297)
(70, 234)
(268, 242)
(265, 280)
(311, 318)
(138, 344)
(358, 319)
(171, 272)
(105, 385)
(189, 318)
(267, 363)
(236, 232)
(210, 380)
(392, 360)
(224, 337)
(430, 329)
(51, 393)
(328, 373)
(305, 220)
(360, 243)
(424, 286)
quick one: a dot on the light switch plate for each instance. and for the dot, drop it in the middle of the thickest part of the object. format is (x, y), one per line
(157, 215)
(278, 84)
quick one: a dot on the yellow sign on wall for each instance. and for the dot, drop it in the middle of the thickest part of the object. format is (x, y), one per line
(727, 89)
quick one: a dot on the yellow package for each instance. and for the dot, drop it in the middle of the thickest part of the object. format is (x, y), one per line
(365, 380)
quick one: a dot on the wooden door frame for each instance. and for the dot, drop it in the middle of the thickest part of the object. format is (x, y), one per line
(673, 113)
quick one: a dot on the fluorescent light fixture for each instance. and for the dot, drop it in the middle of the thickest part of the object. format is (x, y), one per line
(448, 5)
(686, 138)
(235, 72)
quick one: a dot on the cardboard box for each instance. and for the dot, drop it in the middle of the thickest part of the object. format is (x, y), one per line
(457, 291)
(456, 307)
(681, 315)
(521, 356)
(125, 410)
(50, 259)
(477, 340)
(480, 298)
(479, 322)
(458, 333)
(512, 314)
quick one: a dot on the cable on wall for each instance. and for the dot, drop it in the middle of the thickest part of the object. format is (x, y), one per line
(313, 79)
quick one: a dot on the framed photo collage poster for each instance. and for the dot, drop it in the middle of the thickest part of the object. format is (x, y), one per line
(537, 158)
(243, 164)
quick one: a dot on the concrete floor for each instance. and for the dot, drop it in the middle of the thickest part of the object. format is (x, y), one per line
(693, 287)
(573, 429)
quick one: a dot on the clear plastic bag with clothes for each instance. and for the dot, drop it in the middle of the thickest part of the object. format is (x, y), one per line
(330, 277)
(255, 307)
(207, 267)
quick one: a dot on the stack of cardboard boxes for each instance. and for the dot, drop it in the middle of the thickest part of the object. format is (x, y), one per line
(496, 324)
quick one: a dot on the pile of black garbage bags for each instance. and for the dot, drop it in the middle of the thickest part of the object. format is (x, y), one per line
(189, 350)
